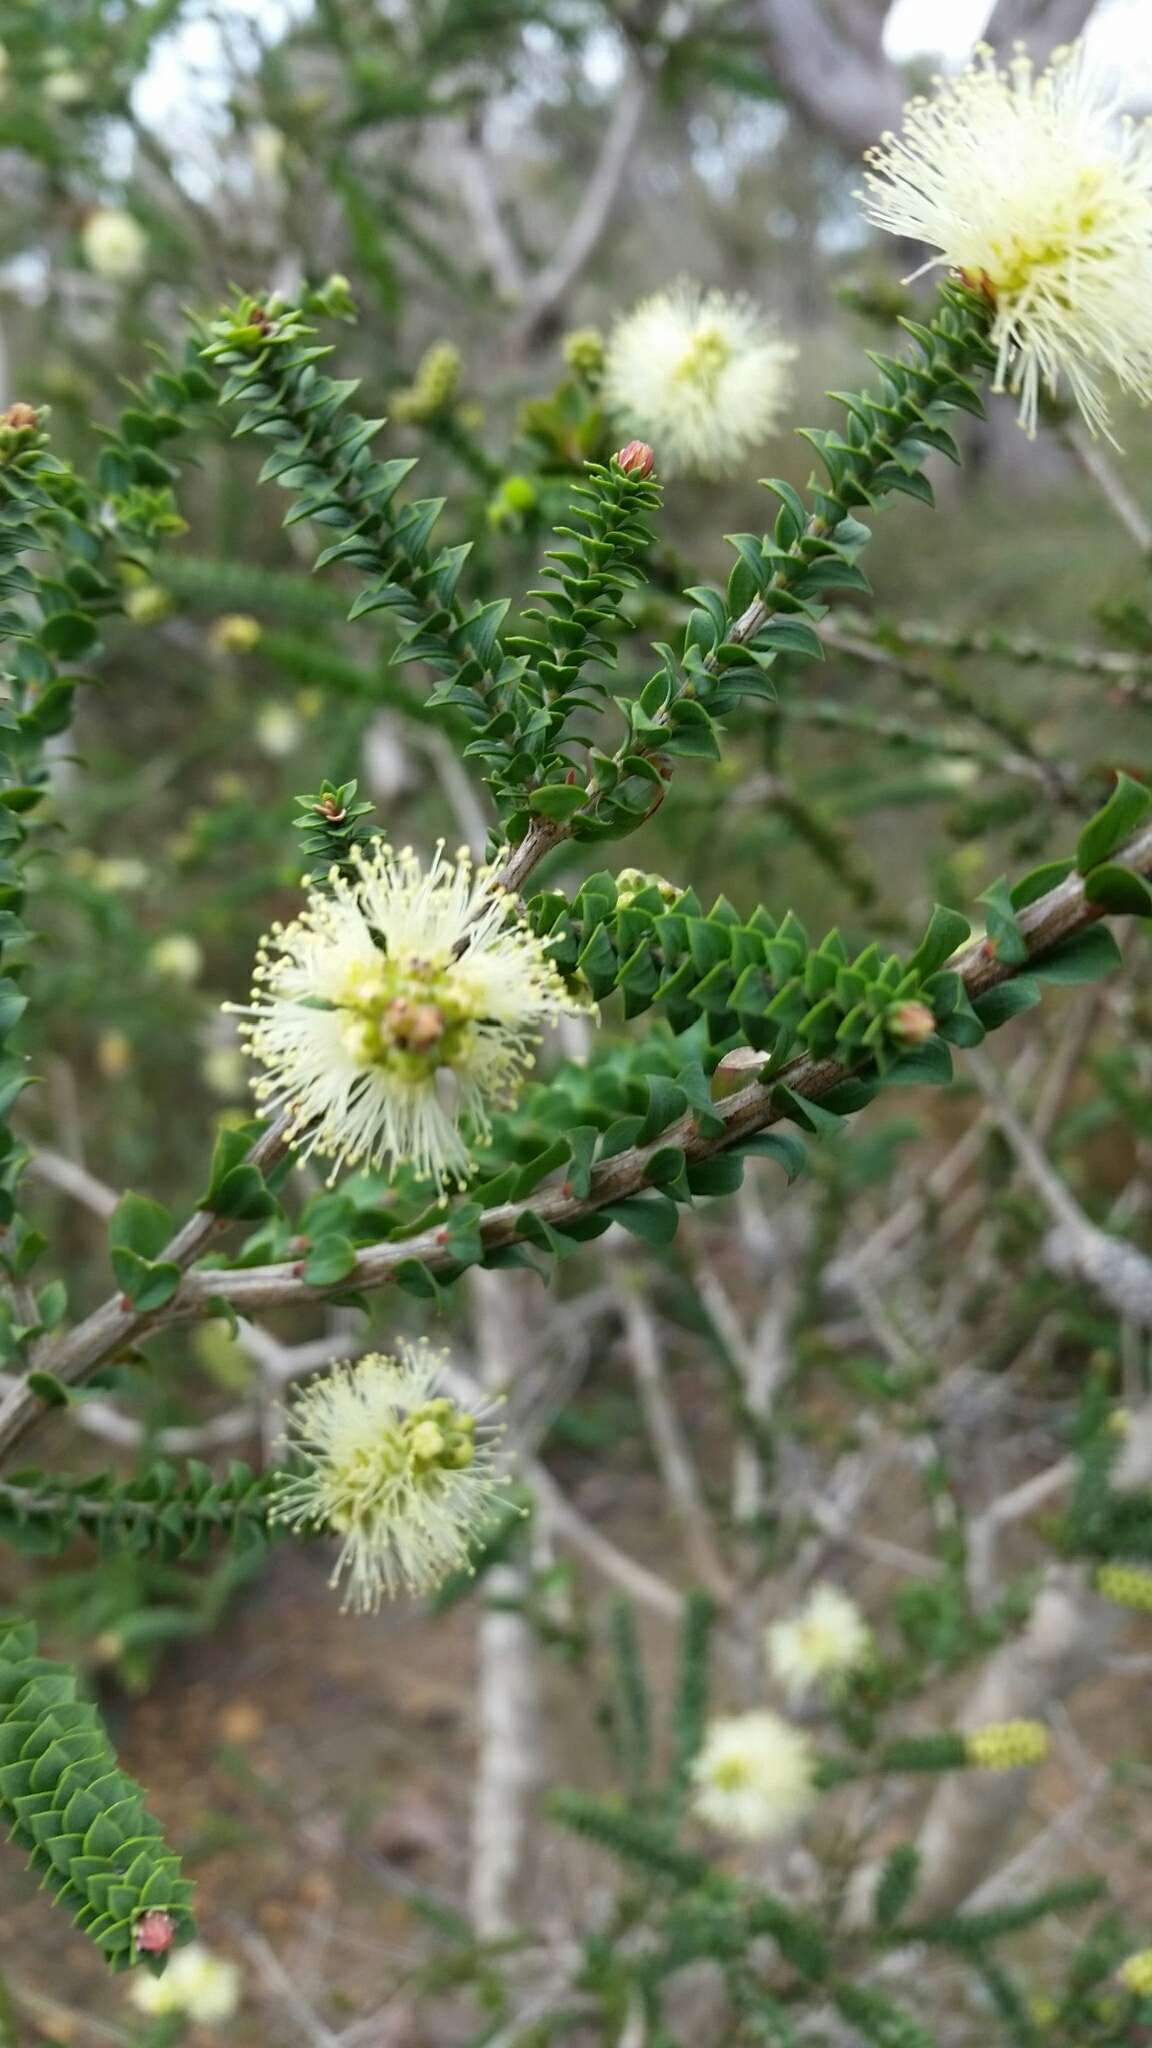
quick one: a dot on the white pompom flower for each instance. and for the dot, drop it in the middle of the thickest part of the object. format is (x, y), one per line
(826, 1639)
(701, 376)
(115, 245)
(1039, 195)
(400, 1009)
(754, 1775)
(403, 1473)
(196, 1986)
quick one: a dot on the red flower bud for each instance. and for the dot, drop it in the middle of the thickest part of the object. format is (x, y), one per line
(155, 1933)
(636, 459)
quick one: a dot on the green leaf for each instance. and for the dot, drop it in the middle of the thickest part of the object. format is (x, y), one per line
(558, 800)
(244, 1195)
(788, 1151)
(1119, 890)
(330, 1259)
(232, 1145)
(652, 1218)
(49, 1389)
(811, 1116)
(791, 636)
(1040, 881)
(1126, 808)
(926, 1066)
(139, 1225)
(1084, 957)
(1005, 938)
(719, 1176)
(1010, 999)
(52, 1304)
(148, 1284)
(67, 635)
(897, 1884)
(946, 930)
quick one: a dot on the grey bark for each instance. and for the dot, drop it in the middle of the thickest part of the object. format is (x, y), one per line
(829, 59)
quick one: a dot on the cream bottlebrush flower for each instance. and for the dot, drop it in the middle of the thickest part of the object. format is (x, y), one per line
(267, 147)
(114, 244)
(402, 1473)
(61, 86)
(1136, 1973)
(278, 730)
(401, 1005)
(177, 958)
(826, 1639)
(196, 1986)
(699, 375)
(1039, 195)
(753, 1775)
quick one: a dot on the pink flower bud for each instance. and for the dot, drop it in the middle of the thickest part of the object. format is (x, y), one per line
(911, 1023)
(636, 459)
(155, 1933)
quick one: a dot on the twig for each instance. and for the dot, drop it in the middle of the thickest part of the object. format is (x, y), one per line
(634, 1579)
(971, 1814)
(551, 286)
(509, 1765)
(483, 206)
(1118, 1270)
(669, 1443)
(75, 1181)
(1062, 784)
(984, 1529)
(276, 1977)
(1005, 1886)
(1095, 464)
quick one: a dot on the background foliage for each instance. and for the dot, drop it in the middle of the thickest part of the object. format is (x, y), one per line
(951, 1304)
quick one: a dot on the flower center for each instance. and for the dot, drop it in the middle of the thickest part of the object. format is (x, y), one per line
(707, 355)
(415, 1450)
(404, 1016)
(819, 1644)
(732, 1774)
(1075, 220)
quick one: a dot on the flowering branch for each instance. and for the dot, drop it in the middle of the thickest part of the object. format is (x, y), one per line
(1057, 915)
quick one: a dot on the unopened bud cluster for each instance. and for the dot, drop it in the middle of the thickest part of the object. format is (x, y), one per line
(1136, 1974)
(20, 429)
(1129, 1585)
(235, 633)
(584, 351)
(434, 388)
(632, 882)
(1007, 1745)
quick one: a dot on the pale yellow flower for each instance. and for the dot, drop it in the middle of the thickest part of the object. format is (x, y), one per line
(1136, 1973)
(1038, 194)
(278, 730)
(403, 1473)
(827, 1638)
(114, 244)
(754, 1775)
(196, 1986)
(701, 376)
(176, 958)
(399, 1010)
